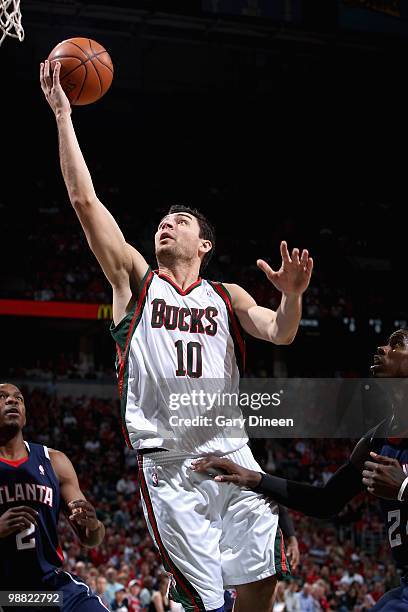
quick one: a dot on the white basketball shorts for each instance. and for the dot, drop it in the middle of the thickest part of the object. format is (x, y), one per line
(211, 535)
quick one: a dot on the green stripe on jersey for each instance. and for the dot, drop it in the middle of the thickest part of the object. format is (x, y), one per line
(121, 330)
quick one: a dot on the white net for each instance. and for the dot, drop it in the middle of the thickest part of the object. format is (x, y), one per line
(10, 20)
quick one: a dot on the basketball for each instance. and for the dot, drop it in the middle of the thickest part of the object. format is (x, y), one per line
(86, 69)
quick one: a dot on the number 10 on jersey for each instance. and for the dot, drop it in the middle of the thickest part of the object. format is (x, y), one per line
(194, 366)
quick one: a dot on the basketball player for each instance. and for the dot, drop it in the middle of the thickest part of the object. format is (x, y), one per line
(35, 482)
(379, 462)
(173, 326)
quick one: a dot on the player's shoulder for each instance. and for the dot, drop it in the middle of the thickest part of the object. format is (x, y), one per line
(373, 440)
(57, 455)
(139, 266)
(239, 297)
(232, 289)
(227, 291)
(59, 460)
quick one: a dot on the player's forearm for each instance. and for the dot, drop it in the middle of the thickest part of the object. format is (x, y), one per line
(286, 323)
(92, 538)
(74, 169)
(310, 500)
(322, 502)
(286, 522)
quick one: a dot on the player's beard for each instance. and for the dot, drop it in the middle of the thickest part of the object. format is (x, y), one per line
(8, 432)
(169, 256)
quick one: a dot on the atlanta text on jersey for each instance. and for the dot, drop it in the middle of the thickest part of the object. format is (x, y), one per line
(26, 492)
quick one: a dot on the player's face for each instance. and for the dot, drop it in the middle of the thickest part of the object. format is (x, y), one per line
(12, 408)
(178, 238)
(391, 360)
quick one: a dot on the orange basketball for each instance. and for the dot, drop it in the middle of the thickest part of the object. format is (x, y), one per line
(86, 69)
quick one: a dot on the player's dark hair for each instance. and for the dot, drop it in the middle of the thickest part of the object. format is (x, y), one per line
(8, 383)
(400, 332)
(207, 231)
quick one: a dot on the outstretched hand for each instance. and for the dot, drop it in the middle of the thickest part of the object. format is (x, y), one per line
(293, 277)
(83, 514)
(51, 86)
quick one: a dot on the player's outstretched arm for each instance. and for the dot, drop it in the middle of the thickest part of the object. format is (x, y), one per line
(123, 265)
(292, 280)
(322, 502)
(80, 512)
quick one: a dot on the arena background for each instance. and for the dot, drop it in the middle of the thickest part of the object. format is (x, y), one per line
(279, 122)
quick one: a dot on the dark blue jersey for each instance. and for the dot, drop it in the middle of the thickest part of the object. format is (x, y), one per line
(28, 557)
(346, 483)
(395, 512)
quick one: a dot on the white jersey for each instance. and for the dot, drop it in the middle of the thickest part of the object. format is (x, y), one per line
(178, 354)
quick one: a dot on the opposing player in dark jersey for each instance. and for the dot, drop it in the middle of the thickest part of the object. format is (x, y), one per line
(379, 463)
(35, 483)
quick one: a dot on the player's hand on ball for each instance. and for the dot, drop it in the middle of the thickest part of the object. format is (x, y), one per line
(233, 472)
(83, 514)
(51, 86)
(293, 277)
(17, 519)
(383, 477)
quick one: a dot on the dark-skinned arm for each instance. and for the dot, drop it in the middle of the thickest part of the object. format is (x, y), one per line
(321, 502)
(286, 522)
(383, 477)
(288, 530)
(80, 513)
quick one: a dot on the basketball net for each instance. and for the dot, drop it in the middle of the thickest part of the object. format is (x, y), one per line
(10, 20)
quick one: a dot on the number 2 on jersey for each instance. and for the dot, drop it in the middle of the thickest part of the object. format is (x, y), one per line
(23, 534)
(395, 538)
(194, 359)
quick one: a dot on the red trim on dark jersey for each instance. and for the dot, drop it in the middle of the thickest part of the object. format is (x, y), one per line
(60, 553)
(176, 572)
(398, 439)
(175, 286)
(16, 463)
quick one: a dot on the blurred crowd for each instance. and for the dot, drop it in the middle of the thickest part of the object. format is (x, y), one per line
(52, 234)
(344, 565)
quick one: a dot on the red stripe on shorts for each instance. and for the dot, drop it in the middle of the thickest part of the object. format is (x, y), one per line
(163, 552)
